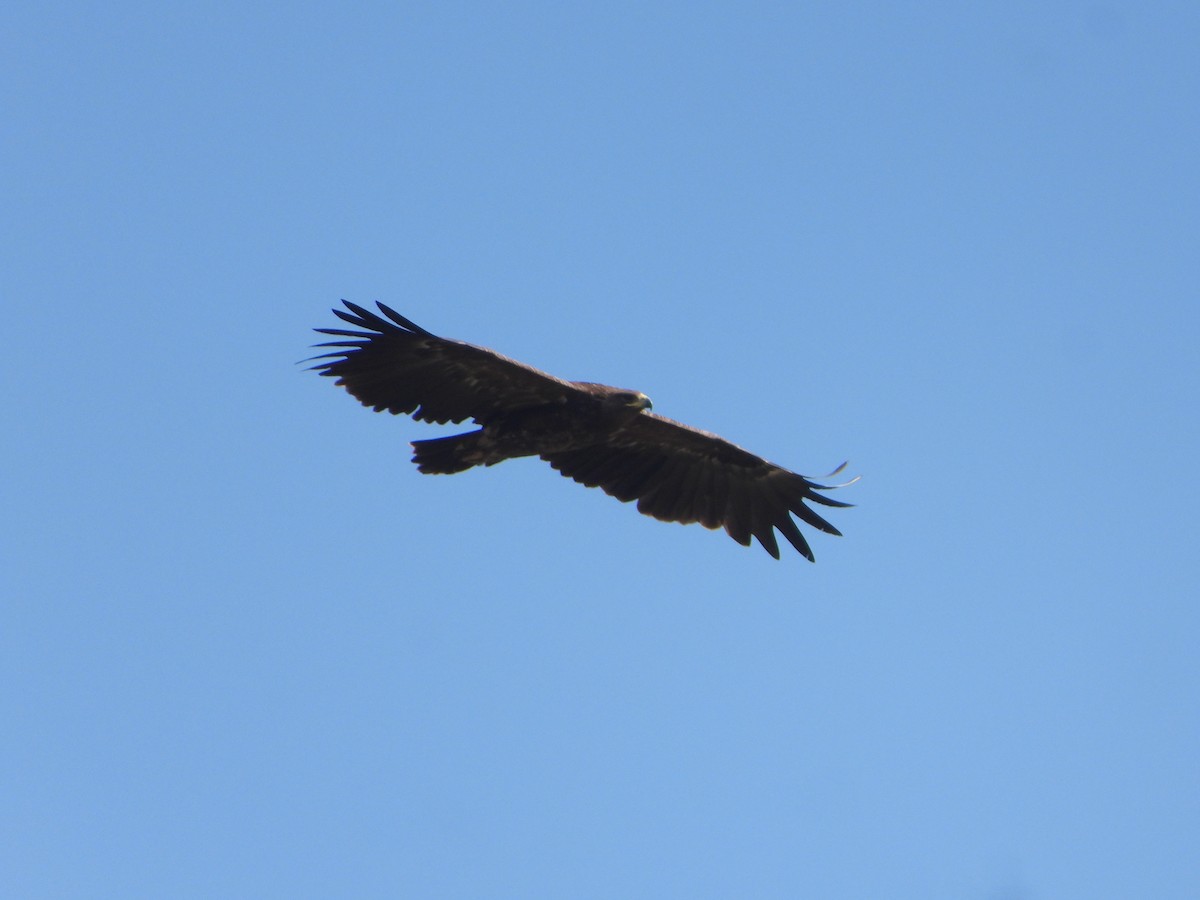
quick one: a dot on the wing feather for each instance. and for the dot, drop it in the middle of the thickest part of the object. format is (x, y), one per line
(738, 517)
(634, 478)
(660, 498)
(763, 528)
(713, 498)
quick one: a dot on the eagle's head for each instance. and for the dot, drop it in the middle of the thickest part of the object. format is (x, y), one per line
(616, 400)
(635, 399)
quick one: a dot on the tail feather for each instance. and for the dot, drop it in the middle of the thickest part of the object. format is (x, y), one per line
(447, 455)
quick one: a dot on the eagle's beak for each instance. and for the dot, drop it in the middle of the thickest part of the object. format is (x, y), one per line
(642, 402)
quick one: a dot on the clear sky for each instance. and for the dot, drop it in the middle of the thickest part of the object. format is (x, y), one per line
(246, 650)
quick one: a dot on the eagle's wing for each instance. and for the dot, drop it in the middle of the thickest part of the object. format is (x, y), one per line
(399, 366)
(682, 474)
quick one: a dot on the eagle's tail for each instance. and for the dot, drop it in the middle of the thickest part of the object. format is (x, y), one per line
(447, 455)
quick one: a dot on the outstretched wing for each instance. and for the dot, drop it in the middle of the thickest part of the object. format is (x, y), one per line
(682, 474)
(399, 366)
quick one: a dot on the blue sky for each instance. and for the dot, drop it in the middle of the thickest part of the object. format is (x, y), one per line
(247, 650)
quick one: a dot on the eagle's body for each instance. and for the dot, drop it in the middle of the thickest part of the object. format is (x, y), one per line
(550, 428)
(598, 435)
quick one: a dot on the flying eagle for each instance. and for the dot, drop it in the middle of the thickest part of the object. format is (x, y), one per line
(600, 436)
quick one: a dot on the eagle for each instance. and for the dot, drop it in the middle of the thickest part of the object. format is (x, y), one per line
(597, 435)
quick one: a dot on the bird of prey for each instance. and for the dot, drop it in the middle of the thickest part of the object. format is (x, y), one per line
(600, 436)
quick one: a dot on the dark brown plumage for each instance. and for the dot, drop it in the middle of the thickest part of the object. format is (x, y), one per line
(598, 435)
